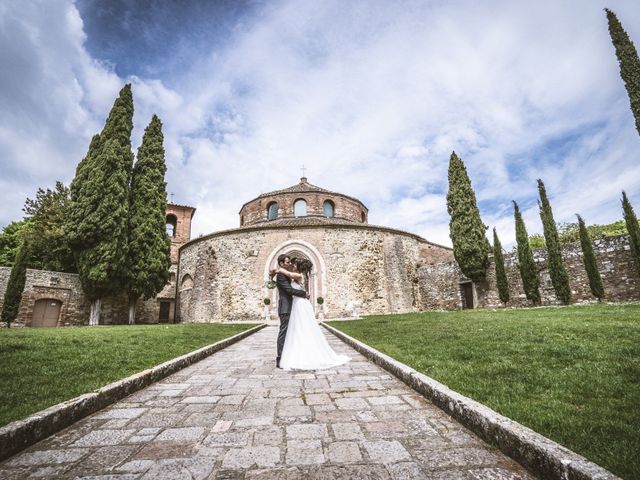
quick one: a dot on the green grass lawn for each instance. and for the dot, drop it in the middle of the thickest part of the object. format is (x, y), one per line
(571, 373)
(42, 367)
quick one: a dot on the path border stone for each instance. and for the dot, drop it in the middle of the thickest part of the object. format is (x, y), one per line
(18, 435)
(537, 453)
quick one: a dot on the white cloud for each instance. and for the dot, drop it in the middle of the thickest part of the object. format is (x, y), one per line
(371, 97)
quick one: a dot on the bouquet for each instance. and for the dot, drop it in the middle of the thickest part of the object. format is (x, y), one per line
(271, 284)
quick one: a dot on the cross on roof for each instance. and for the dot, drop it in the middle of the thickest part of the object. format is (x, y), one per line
(171, 194)
(303, 170)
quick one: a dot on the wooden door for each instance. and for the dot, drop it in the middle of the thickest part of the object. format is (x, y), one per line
(165, 308)
(467, 295)
(46, 313)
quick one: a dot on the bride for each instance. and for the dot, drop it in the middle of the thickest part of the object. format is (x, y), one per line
(305, 346)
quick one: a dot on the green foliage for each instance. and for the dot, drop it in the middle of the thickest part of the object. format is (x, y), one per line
(470, 245)
(10, 241)
(569, 373)
(45, 366)
(501, 275)
(149, 245)
(629, 63)
(590, 263)
(15, 285)
(99, 209)
(526, 264)
(49, 247)
(557, 270)
(570, 232)
(633, 228)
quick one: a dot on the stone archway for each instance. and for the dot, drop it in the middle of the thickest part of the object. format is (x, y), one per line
(318, 277)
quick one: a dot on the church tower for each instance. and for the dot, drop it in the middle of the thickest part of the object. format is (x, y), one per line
(178, 223)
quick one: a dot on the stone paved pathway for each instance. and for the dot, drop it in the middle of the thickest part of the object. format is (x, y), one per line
(234, 416)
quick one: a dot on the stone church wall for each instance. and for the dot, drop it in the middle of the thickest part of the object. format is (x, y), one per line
(439, 284)
(357, 270)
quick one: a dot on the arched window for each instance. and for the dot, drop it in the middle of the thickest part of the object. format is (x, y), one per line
(186, 282)
(300, 208)
(272, 211)
(364, 217)
(241, 220)
(172, 221)
(329, 208)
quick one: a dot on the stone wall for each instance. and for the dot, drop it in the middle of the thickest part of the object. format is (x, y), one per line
(357, 270)
(66, 288)
(347, 208)
(440, 287)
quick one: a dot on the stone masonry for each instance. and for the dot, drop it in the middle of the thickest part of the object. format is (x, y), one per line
(440, 283)
(235, 416)
(357, 268)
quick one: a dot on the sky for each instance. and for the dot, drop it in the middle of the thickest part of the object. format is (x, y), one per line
(370, 96)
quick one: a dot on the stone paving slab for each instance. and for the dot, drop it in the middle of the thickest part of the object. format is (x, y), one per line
(234, 415)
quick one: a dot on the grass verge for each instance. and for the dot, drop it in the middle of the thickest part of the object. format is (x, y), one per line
(571, 374)
(42, 367)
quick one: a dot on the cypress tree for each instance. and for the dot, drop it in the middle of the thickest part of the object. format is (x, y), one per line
(633, 229)
(15, 285)
(501, 275)
(470, 245)
(590, 263)
(526, 264)
(629, 63)
(97, 224)
(557, 271)
(149, 245)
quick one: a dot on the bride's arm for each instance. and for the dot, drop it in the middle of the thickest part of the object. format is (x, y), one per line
(293, 275)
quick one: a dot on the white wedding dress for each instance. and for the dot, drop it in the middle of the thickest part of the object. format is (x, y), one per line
(305, 346)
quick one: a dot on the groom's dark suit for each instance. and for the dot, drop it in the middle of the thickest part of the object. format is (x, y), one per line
(286, 292)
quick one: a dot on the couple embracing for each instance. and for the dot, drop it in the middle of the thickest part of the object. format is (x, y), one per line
(301, 344)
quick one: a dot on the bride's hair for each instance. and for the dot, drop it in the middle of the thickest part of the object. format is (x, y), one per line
(303, 266)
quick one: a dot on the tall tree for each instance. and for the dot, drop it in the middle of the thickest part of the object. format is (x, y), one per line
(526, 264)
(149, 245)
(49, 246)
(633, 229)
(10, 241)
(629, 63)
(590, 263)
(501, 275)
(557, 270)
(99, 207)
(470, 245)
(15, 285)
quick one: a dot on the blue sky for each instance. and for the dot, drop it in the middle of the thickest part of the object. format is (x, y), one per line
(371, 96)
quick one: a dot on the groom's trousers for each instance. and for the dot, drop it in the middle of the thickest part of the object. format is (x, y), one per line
(284, 324)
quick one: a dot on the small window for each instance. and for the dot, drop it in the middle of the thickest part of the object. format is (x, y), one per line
(300, 208)
(186, 282)
(272, 211)
(328, 208)
(364, 217)
(241, 220)
(172, 221)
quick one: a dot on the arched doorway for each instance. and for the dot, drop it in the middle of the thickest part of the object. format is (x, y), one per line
(317, 279)
(46, 313)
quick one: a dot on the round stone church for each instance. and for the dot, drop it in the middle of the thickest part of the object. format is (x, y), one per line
(358, 268)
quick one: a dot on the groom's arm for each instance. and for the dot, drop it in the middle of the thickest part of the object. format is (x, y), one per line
(283, 283)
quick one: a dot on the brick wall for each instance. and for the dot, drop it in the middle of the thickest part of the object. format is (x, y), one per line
(255, 212)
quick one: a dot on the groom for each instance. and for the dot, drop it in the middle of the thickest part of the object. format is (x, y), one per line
(286, 293)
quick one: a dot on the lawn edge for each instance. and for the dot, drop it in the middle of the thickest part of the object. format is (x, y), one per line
(539, 454)
(18, 435)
